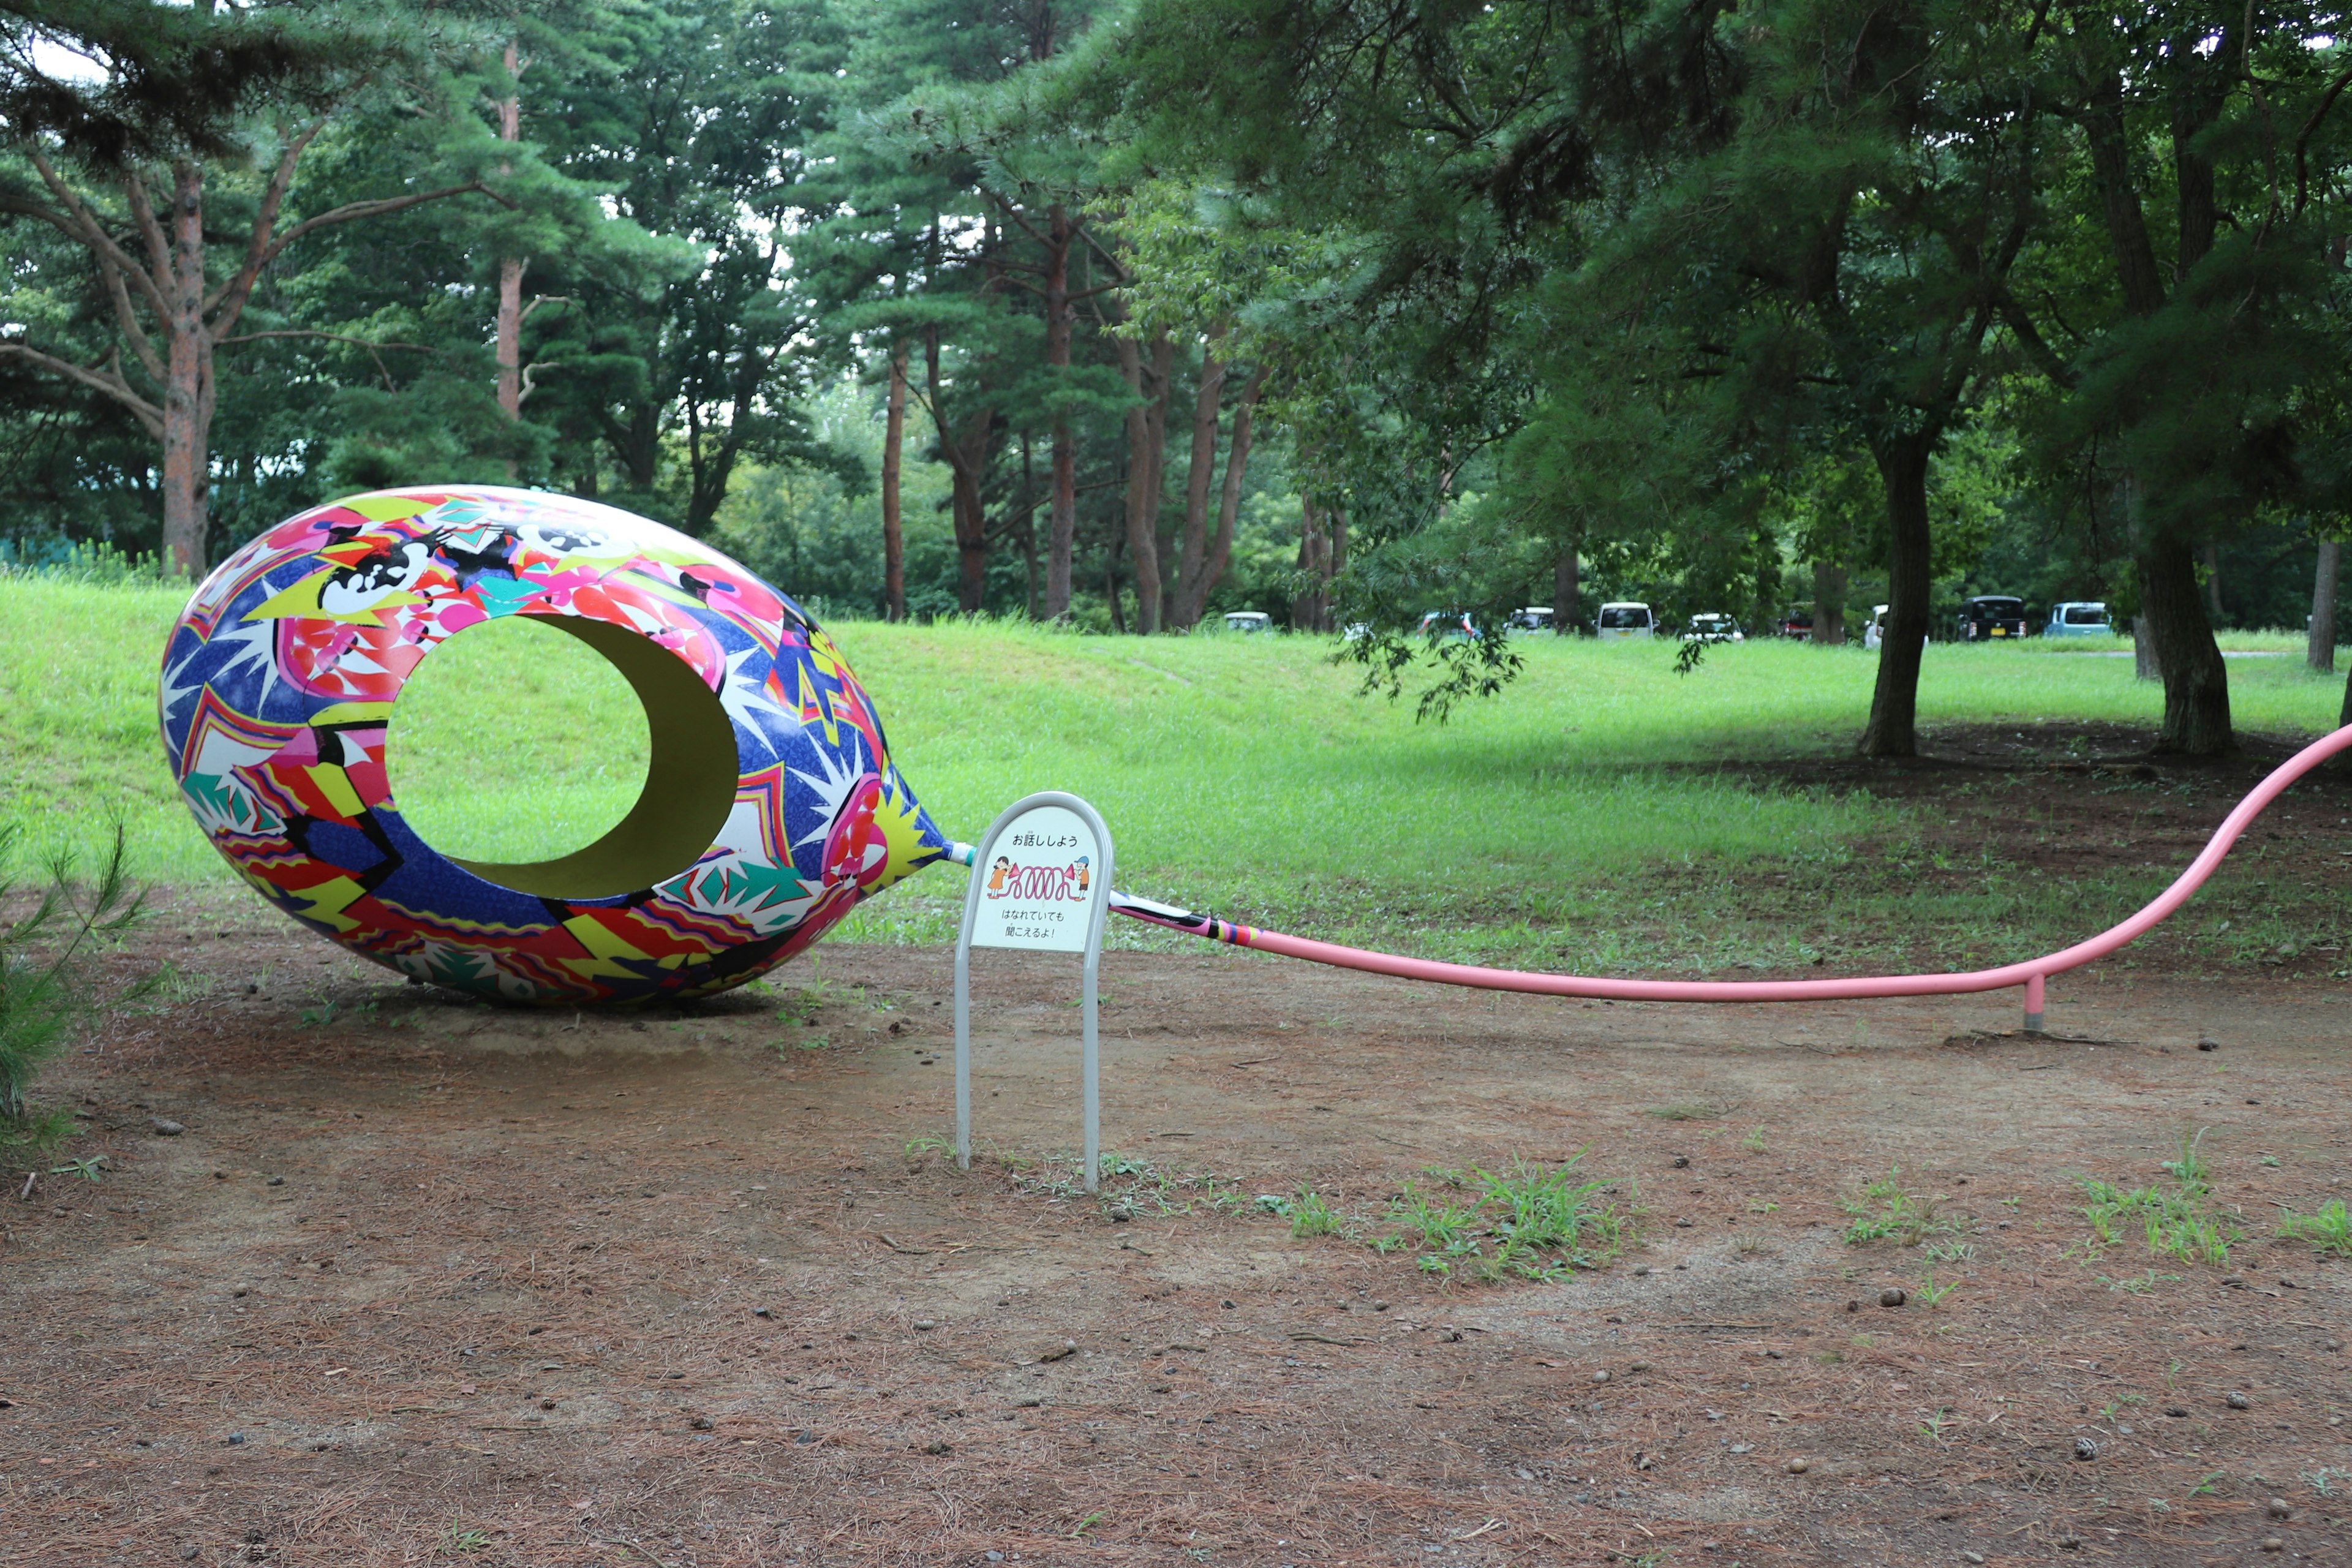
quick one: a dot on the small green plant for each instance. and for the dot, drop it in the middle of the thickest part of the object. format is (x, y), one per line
(1529, 1222)
(1085, 1524)
(2330, 1229)
(2327, 1480)
(2209, 1486)
(928, 1144)
(2139, 1287)
(318, 1018)
(1933, 1428)
(49, 992)
(86, 1168)
(1311, 1215)
(467, 1540)
(1754, 1142)
(1930, 1292)
(2271, 1161)
(1885, 1212)
(2181, 1223)
(1950, 1251)
(1759, 1205)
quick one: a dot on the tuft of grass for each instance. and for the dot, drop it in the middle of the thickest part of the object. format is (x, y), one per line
(2330, 1229)
(1311, 1214)
(49, 990)
(1529, 1222)
(1886, 1211)
(1930, 1292)
(1754, 1142)
(2181, 1222)
(2139, 1287)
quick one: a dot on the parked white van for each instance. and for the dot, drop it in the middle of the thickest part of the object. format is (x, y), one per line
(1624, 621)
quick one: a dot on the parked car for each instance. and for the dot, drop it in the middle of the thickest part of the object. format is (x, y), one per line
(1874, 631)
(1534, 618)
(1797, 625)
(1448, 623)
(1249, 623)
(1991, 615)
(1710, 628)
(2078, 618)
(1624, 621)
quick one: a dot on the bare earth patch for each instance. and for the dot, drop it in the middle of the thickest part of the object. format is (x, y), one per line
(436, 1282)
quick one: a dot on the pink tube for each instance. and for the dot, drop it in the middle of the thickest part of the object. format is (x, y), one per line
(2030, 973)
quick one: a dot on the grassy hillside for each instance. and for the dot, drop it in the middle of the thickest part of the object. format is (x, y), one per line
(1553, 824)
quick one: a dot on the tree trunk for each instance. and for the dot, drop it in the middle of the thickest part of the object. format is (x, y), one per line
(1335, 557)
(1567, 612)
(1062, 516)
(893, 537)
(1829, 605)
(1192, 553)
(188, 387)
(1110, 586)
(970, 515)
(1893, 728)
(1307, 609)
(1146, 424)
(2196, 681)
(2319, 649)
(1029, 526)
(1229, 498)
(2144, 664)
(965, 459)
(510, 271)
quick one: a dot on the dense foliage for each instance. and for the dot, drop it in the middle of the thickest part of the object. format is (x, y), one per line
(1130, 312)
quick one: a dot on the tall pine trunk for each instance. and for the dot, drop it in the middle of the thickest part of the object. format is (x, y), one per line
(2319, 648)
(1146, 433)
(894, 537)
(510, 271)
(971, 516)
(1192, 553)
(1893, 730)
(2196, 681)
(1307, 610)
(1229, 496)
(1062, 512)
(1567, 591)
(188, 385)
(1829, 605)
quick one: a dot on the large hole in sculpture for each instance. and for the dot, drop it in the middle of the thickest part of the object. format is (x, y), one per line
(561, 756)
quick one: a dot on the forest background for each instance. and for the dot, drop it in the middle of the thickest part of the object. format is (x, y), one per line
(1121, 313)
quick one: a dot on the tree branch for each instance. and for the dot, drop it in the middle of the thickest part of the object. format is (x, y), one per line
(256, 251)
(114, 386)
(150, 229)
(128, 315)
(78, 223)
(348, 213)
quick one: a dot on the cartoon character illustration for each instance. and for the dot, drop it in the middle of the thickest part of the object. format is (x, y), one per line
(1085, 877)
(996, 875)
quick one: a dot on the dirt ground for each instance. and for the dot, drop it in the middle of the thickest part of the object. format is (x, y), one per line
(418, 1279)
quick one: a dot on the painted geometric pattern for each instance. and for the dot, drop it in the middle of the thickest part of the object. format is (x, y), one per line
(279, 684)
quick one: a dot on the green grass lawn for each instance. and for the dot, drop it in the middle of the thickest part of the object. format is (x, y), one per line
(1551, 827)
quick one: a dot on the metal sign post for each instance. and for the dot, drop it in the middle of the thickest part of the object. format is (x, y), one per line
(1040, 881)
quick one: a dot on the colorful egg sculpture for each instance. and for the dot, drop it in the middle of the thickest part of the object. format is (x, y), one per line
(770, 806)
